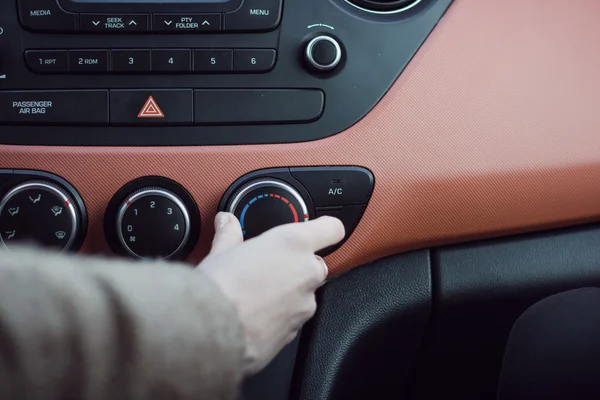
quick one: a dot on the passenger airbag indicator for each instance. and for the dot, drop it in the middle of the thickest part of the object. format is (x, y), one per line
(61, 107)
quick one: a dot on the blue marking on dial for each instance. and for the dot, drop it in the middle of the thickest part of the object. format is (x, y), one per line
(244, 211)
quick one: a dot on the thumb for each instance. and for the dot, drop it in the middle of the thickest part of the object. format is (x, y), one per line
(228, 233)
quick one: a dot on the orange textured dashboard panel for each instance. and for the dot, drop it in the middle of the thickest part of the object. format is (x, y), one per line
(494, 128)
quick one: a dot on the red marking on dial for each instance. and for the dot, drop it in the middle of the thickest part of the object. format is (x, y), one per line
(294, 212)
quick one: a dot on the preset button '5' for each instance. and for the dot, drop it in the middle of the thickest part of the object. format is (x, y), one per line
(214, 60)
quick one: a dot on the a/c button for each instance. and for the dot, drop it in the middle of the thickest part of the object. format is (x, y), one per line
(152, 107)
(336, 186)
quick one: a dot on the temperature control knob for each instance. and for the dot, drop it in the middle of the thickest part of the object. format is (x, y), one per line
(323, 53)
(264, 203)
(153, 222)
(39, 212)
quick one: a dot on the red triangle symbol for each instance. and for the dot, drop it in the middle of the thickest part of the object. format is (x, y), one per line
(151, 109)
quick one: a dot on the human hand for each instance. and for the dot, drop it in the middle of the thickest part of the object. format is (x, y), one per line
(271, 279)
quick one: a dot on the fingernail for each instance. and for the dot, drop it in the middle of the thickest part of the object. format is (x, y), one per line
(325, 268)
(222, 220)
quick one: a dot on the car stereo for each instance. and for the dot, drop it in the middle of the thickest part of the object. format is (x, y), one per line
(143, 16)
(198, 72)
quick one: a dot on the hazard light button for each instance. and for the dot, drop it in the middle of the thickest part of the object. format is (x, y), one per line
(152, 107)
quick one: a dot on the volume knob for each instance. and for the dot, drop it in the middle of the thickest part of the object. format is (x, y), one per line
(323, 53)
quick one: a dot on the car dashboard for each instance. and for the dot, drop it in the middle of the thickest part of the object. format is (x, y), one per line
(456, 140)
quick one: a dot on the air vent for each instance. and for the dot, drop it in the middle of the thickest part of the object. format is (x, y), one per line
(383, 6)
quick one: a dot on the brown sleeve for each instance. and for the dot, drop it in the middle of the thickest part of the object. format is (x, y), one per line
(82, 328)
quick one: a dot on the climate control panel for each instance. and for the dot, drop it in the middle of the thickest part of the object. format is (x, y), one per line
(264, 199)
(157, 218)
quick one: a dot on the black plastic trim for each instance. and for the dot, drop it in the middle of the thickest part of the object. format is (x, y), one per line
(481, 288)
(364, 340)
(151, 7)
(273, 382)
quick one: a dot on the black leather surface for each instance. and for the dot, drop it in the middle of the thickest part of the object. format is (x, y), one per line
(480, 289)
(364, 341)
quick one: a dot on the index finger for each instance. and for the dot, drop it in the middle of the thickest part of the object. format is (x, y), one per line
(318, 234)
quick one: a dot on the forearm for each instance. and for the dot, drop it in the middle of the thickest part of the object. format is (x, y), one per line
(81, 328)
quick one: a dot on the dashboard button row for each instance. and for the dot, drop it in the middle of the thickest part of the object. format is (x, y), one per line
(147, 107)
(48, 16)
(151, 61)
